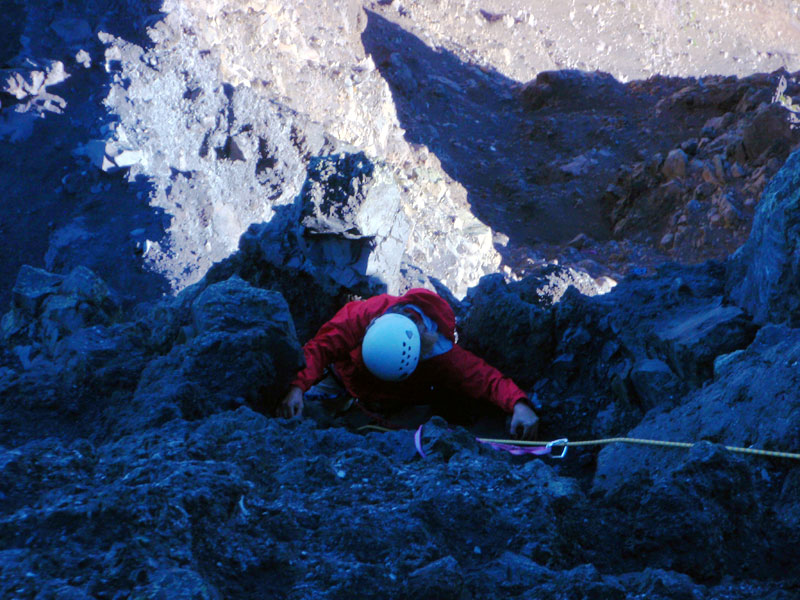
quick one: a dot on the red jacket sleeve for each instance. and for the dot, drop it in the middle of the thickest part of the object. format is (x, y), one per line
(337, 338)
(476, 378)
(333, 341)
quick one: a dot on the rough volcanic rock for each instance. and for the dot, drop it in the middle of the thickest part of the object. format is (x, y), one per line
(692, 340)
(750, 403)
(346, 227)
(654, 382)
(696, 199)
(239, 346)
(132, 461)
(763, 274)
(47, 307)
(599, 363)
(170, 483)
(516, 312)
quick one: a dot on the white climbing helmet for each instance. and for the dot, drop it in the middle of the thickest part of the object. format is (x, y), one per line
(391, 347)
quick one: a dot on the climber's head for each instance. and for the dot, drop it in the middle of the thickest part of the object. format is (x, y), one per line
(391, 347)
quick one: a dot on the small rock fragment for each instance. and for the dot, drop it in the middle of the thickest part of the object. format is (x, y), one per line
(675, 165)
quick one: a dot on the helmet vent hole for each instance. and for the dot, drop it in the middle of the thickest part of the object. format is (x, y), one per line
(409, 334)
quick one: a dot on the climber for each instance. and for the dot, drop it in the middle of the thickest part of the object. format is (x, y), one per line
(392, 351)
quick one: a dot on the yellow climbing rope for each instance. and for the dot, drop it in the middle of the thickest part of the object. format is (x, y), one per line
(625, 440)
(628, 440)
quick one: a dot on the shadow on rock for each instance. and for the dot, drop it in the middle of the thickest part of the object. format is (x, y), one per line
(462, 113)
(647, 171)
(472, 118)
(68, 199)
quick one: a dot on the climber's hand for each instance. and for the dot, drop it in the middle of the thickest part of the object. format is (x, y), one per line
(292, 404)
(524, 422)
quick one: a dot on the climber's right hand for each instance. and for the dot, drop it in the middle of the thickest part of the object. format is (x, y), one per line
(292, 404)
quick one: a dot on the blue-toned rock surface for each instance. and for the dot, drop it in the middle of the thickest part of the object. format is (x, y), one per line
(139, 452)
(140, 457)
(765, 272)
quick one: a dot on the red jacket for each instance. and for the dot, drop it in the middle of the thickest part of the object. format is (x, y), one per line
(338, 342)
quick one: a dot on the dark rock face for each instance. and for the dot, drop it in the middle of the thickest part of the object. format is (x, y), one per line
(707, 496)
(653, 380)
(46, 307)
(599, 362)
(751, 403)
(520, 314)
(239, 346)
(765, 273)
(156, 476)
(497, 310)
(138, 452)
(692, 342)
(161, 464)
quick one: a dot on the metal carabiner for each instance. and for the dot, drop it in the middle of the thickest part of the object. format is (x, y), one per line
(561, 442)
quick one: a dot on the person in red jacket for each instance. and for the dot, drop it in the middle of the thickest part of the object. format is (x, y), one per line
(390, 351)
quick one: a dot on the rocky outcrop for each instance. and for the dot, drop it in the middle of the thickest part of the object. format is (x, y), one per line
(697, 198)
(216, 345)
(138, 452)
(604, 360)
(764, 274)
(47, 307)
(191, 380)
(222, 158)
(238, 347)
(692, 340)
(519, 313)
(346, 227)
(750, 403)
(157, 467)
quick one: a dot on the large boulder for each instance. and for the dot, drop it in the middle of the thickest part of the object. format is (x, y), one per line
(768, 133)
(764, 274)
(346, 228)
(509, 325)
(599, 363)
(238, 346)
(693, 337)
(572, 87)
(751, 403)
(46, 307)
(707, 507)
(655, 383)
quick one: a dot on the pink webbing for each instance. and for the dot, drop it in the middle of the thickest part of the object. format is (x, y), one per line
(510, 448)
(418, 441)
(519, 450)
